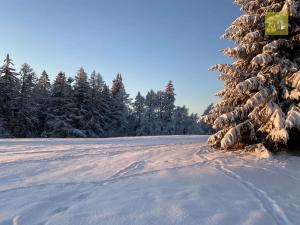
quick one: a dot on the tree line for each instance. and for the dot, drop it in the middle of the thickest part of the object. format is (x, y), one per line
(86, 106)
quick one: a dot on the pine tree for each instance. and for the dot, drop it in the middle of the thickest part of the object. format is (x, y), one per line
(150, 125)
(81, 87)
(159, 105)
(81, 99)
(96, 121)
(106, 111)
(260, 102)
(181, 120)
(96, 86)
(59, 121)
(168, 108)
(7, 71)
(9, 90)
(195, 125)
(42, 99)
(43, 85)
(120, 110)
(138, 113)
(27, 117)
(184, 123)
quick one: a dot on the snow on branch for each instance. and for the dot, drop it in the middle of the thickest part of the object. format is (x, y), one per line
(223, 68)
(283, 67)
(275, 128)
(294, 80)
(261, 97)
(234, 135)
(262, 60)
(295, 94)
(228, 118)
(241, 26)
(260, 6)
(277, 45)
(236, 52)
(251, 84)
(293, 118)
(221, 110)
(253, 36)
(221, 93)
(229, 72)
(262, 113)
(215, 139)
(209, 118)
(247, 20)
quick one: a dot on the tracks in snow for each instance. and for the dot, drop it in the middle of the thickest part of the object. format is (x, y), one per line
(133, 167)
(267, 203)
(119, 176)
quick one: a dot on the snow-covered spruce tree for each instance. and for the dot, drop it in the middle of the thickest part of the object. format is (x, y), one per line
(138, 114)
(42, 99)
(168, 109)
(59, 119)
(81, 114)
(120, 107)
(106, 110)
(43, 84)
(161, 119)
(95, 122)
(195, 127)
(260, 101)
(150, 124)
(27, 114)
(9, 90)
(184, 122)
(181, 120)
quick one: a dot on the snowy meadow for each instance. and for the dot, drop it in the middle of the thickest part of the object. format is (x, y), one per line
(143, 180)
(76, 150)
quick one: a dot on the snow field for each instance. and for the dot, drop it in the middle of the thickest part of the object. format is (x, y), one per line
(143, 180)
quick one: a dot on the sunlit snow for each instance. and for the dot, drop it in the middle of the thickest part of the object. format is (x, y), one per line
(143, 180)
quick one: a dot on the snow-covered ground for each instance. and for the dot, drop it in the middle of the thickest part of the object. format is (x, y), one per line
(146, 180)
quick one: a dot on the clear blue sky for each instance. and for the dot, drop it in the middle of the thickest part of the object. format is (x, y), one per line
(148, 41)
